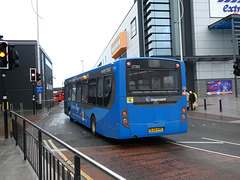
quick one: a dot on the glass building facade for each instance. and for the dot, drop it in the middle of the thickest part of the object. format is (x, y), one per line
(157, 28)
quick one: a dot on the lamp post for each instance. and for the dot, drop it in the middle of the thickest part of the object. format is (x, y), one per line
(38, 53)
(82, 66)
(180, 28)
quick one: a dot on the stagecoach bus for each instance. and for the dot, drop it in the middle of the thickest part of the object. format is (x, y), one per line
(130, 98)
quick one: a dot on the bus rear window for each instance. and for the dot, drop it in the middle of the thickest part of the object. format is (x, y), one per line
(154, 81)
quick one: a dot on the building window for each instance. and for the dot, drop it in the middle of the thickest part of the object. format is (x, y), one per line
(133, 28)
(49, 64)
(158, 39)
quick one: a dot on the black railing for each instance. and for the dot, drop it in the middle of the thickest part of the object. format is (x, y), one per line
(46, 162)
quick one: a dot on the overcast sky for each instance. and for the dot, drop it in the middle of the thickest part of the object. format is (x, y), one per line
(70, 30)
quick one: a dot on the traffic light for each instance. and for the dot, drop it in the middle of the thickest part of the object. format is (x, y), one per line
(236, 68)
(13, 57)
(4, 59)
(39, 77)
(33, 75)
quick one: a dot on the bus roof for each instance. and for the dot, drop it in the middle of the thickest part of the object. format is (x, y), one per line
(123, 59)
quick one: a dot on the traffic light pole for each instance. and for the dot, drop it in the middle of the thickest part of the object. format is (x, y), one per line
(34, 99)
(5, 103)
(234, 55)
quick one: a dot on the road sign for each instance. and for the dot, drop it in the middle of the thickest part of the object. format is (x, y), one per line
(39, 83)
(39, 89)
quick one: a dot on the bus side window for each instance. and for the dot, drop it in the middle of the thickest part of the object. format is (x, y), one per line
(100, 92)
(74, 93)
(66, 93)
(107, 90)
(85, 93)
(79, 92)
(92, 92)
(69, 93)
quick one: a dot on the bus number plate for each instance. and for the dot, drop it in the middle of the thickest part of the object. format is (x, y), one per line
(155, 130)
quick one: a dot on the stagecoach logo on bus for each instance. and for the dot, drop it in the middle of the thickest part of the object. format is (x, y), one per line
(149, 99)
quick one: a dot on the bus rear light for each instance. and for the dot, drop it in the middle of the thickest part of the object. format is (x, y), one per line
(128, 64)
(124, 113)
(183, 115)
(125, 121)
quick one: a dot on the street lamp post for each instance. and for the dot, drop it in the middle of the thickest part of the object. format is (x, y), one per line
(38, 53)
(82, 66)
(180, 28)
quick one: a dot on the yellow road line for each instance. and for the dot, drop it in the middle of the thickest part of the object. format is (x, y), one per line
(46, 144)
(67, 160)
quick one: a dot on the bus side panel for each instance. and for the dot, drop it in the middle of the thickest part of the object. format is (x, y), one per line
(121, 100)
(123, 132)
(105, 121)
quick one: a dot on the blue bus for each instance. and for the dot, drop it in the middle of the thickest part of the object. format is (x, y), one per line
(130, 98)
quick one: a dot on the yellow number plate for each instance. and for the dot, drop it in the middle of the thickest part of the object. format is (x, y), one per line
(155, 130)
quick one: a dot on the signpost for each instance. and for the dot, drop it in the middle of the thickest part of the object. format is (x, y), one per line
(39, 89)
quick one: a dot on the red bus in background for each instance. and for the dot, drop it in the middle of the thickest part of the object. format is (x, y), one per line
(59, 96)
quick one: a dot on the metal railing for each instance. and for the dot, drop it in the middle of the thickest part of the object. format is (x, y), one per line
(46, 163)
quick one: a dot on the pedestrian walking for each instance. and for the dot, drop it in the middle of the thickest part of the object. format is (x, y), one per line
(192, 99)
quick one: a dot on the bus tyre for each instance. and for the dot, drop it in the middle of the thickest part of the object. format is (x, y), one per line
(69, 114)
(93, 125)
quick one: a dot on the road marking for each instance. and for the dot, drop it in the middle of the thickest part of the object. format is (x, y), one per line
(199, 142)
(46, 144)
(237, 121)
(199, 149)
(226, 142)
(67, 160)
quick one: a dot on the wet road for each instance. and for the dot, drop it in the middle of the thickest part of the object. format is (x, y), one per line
(210, 150)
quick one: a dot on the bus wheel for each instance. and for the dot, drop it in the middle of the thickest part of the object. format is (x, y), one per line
(69, 114)
(93, 125)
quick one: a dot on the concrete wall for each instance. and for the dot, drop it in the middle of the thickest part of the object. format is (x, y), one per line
(132, 43)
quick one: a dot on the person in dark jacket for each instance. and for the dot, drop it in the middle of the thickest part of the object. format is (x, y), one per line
(192, 99)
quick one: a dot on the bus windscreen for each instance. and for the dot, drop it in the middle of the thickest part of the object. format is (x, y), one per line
(153, 81)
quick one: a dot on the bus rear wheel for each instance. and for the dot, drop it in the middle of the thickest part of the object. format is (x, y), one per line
(93, 125)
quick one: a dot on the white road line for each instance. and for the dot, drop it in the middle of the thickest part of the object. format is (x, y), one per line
(226, 142)
(199, 142)
(199, 149)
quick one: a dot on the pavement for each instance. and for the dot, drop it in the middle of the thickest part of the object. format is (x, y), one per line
(13, 166)
(229, 112)
(12, 163)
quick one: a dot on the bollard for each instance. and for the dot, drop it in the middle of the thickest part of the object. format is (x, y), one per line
(205, 104)
(11, 107)
(21, 107)
(220, 105)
